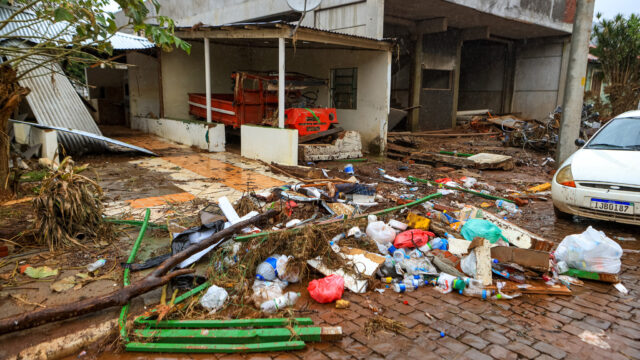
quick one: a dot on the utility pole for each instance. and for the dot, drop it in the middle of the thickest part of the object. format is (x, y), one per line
(574, 88)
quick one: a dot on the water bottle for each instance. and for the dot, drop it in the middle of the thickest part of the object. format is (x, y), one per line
(267, 269)
(280, 302)
(562, 267)
(96, 265)
(355, 232)
(334, 242)
(407, 284)
(509, 207)
(399, 255)
(435, 243)
(477, 292)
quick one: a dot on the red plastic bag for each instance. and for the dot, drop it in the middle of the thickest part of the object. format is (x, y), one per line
(326, 290)
(412, 238)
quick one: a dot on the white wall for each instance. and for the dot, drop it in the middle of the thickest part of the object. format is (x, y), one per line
(370, 117)
(539, 77)
(210, 138)
(144, 94)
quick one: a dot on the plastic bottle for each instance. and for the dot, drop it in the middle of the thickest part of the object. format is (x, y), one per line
(445, 282)
(334, 242)
(509, 207)
(355, 232)
(477, 292)
(562, 267)
(435, 243)
(267, 269)
(399, 255)
(96, 265)
(407, 284)
(280, 302)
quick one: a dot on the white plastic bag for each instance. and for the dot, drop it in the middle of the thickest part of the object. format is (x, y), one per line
(380, 232)
(290, 274)
(267, 290)
(590, 251)
(468, 264)
(214, 298)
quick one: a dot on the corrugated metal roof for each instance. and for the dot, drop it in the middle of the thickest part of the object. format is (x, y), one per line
(274, 24)
(26, 26)
(55, 102)
(122, 41)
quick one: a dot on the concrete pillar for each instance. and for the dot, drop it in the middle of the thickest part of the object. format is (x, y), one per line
(574, 87)
(416, 85)
(207, 77)
(281, 83)
(456, 84)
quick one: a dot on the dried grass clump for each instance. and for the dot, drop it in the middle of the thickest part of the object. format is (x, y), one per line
(380, 322)
(245, 205)
(68, 207)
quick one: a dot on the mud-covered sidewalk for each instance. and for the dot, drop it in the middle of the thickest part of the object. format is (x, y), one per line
(597, 321)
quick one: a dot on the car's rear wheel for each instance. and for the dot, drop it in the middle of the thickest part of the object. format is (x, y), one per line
(561, 215)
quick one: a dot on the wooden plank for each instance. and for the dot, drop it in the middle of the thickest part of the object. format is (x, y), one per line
(234, 336)
(446, 135)
(535, 287)
(307, 138)
(211, 324)
(214, 348)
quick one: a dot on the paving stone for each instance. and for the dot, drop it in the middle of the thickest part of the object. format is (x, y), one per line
(586, 326)
(559, 317)
(402, 308)
(409, 322)
(358, 350)
(449, 329)
(544, 357)
(628, 332)
(523, 350)
(494, 337)
(600, 300)
(550, 306)
(498, 352)
(336, 353)
(471, 327)
(470, 316)
(475, 341)
(551, 350)
(476, 355)
(453, 344)
(421, 317)
(574, 314)
(286, 357)
(332, 318)
(619, 306)
(630, 352)
(602, 324)
(420, 352)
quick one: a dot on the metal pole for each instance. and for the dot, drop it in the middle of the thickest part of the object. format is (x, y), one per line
(281, 83)
(207, 77)
(574, 88)
(416, 85)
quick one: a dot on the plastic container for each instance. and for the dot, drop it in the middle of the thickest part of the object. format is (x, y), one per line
(349, 169)
(355, 232)
(511, 208)
(267, 290)
(380, 232)
(478, 292)
(96, 265)
(267, 269)
(400, 255)
(562, 267)
(398, 225)
(285, 272)
(445, 282)
(281, 302)
(214, 298)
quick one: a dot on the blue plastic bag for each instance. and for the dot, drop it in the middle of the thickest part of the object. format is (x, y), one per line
(482, 228)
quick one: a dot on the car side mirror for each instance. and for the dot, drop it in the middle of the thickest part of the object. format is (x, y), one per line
(580, 142)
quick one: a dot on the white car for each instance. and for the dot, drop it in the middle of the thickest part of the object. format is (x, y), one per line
(602, 179)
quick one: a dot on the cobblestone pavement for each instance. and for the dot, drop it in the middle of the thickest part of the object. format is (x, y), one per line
(529, 327)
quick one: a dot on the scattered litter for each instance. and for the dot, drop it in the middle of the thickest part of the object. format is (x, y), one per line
(621, 288)
(279, 303)
(342, 304)
(96, 265)
(327, 289)
(595, 339)
(213, 300)
(40, 272)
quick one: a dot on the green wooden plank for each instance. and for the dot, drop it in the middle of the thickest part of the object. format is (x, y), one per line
(211, 324)
(228, 336)
(214, 348)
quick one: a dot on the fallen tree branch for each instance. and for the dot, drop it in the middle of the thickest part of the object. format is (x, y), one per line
(120, 297)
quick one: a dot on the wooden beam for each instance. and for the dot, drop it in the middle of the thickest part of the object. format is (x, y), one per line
(476, 33)
(432, 26)
(340, 39)
(307, 138)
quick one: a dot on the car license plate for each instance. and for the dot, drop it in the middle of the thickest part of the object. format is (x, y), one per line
(622, 207)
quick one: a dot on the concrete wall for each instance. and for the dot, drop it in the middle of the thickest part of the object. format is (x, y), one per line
(210, 138)
(183, 74)
(269, 144)
(482, 73)
(359, 17)
(370, 117)
(539, 77)
(555, 14)
(144, 94)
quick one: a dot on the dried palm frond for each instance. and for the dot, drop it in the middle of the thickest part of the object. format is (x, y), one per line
(68, 208)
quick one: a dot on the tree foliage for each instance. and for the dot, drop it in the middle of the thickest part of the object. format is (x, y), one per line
(618, 50)
(41, 33)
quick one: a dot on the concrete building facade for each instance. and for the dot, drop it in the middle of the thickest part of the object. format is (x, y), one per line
(509, 56)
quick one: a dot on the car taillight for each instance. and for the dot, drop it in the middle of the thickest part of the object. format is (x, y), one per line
(565, 177)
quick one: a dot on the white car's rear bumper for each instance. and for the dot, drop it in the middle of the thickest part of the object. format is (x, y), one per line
(577, 200)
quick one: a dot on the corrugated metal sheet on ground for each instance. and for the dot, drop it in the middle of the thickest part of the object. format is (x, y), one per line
(55, 102)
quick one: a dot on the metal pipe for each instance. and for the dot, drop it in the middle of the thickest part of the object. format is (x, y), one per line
(281, 83)
(207, 77)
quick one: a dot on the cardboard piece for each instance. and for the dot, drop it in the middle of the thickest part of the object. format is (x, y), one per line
(482, 249)
(518, 236)
(365, 262)
(536, 260)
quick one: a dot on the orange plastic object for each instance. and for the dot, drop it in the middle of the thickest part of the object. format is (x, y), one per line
(306, 123)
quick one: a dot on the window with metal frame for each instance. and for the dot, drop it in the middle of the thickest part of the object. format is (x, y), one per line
(344, 86)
